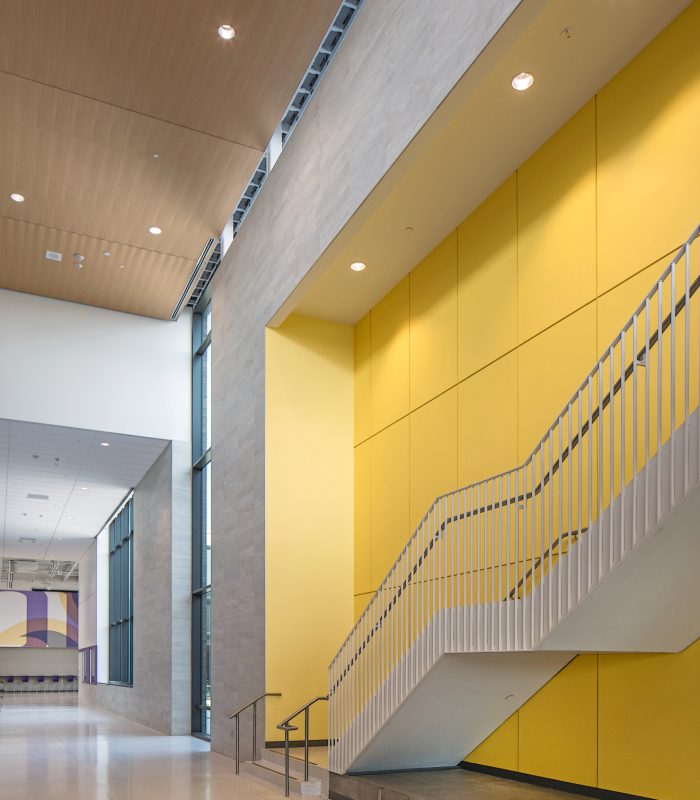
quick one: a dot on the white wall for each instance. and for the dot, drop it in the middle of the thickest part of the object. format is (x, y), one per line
(85, 367)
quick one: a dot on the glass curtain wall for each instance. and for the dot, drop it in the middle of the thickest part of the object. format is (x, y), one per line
(201, 521)
(121, 596)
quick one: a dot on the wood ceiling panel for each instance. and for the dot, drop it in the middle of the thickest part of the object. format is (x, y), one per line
(150, 283)
(87, 167)
(164, 58)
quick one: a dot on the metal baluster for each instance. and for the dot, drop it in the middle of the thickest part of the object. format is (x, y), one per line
(647, 411)
(672, 374)
(659, 392)
(611, 469)
(686, 394)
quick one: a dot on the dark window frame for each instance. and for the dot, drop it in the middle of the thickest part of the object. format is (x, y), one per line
(201, 474)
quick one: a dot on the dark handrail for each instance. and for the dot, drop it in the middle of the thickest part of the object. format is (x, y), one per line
(237, 714)
(594, 416)
(287, 728)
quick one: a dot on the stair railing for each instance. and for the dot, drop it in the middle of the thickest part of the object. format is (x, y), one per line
(236, 716)
(495, 565)
(287, 727)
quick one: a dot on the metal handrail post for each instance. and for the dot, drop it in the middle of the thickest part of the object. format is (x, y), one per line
(306, 743)
(255, 731)
(238, 753)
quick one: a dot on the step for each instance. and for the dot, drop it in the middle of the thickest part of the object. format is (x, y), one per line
(296, 761)
(273, 773)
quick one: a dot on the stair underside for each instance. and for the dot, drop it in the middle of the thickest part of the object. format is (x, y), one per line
(639, 595)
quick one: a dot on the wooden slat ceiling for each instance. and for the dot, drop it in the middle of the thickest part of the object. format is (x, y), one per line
(90, 89)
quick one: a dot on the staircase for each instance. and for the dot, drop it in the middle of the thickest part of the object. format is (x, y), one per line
(590, 545)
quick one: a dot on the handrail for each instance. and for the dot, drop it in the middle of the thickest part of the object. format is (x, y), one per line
(586, 443)
(639, 357)
(236, 714)
(287, 727)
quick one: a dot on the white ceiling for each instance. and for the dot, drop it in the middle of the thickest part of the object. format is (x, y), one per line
(59, 462)
(481, 133)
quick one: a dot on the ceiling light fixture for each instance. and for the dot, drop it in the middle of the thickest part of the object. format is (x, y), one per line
(121, 266)
(522, 81)
(106, 253)
(155, 155)
(17, 197)
(77, 265)
(59, 538)
(357, 266)
(155, 230)
(104, 444)
(69, 517)
(226, 31)
(83, 488)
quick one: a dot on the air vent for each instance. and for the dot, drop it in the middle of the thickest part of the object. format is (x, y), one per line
(38, 496)
(52, 255)
(27, 540)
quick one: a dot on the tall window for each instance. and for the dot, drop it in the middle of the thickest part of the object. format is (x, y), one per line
(201, 521)
(121, 596)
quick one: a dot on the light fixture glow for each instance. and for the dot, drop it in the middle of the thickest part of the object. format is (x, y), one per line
(357, 266)
(77, 265)
(522, 81)
(155, 230)
(17, 197)
(106, 253)
(104, 444)
(121, 266)
(59, 538)
(83, 488)
(69, 516)
(156, 156)
(226, 31)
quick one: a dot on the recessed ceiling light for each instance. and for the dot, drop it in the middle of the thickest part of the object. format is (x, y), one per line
(106, 253)
(69, 516)
(59, 538)
(226, 31)
(409, 229)
(52, 255)
(104, 444)
(121, 266)
(78, 257)
(522, 81)
(77, 265)
(83, 488)
(17, 197)
(357, 266)
(155, 230)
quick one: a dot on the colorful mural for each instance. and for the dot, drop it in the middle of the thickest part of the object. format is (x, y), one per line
(38, 619)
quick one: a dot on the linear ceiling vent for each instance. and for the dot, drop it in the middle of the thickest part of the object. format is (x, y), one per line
(27, 539)
(52, 255)
(38, 496)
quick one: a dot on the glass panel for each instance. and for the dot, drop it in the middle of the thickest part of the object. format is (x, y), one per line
(206, 320)
(206, 525)
(206, 398)
(205, 649)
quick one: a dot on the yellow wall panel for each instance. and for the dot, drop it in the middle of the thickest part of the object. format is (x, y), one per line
(649, 729)
(556, 226)
(360, 602)
(433, 339)
(488, 421)
(363, 385)
(551, 367)
(433, 453)
(363, 510)
(390, 497)
(488, 274)
(648, 163)
(500, 749)
(308, 508)
(558, 726)
(390, 360)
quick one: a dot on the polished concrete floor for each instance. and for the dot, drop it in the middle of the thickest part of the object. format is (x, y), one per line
(52, 748)
(457, 784)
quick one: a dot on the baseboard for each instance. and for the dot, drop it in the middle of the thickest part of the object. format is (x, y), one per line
(550, 783)
(276, 743)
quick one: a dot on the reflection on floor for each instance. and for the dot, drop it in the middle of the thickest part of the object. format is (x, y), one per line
(457, 784)
(53, 748)
(50, 747)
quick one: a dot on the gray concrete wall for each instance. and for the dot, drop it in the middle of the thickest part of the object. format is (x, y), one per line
(398, 62)
(160, 695)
